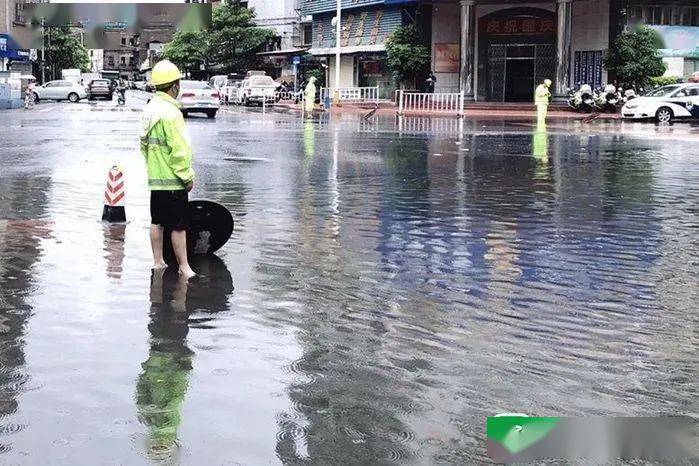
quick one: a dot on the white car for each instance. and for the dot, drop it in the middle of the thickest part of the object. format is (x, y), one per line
(257, 89)
(198, 97)
(60, 90)
(665, 104)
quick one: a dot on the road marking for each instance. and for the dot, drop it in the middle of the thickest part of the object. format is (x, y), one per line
(47, 109)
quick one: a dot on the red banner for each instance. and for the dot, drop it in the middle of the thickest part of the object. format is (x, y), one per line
(518, 26)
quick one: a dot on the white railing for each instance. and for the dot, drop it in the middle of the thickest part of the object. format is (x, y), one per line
(352, 94)
(440, 102)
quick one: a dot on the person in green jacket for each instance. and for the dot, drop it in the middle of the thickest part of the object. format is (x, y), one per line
(542, 95)
(310, 95)
(168, 153)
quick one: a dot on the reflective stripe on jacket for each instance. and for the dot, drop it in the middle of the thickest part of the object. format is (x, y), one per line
(542, 95)
(165, 145)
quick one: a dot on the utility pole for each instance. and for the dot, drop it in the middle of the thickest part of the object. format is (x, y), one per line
(338, 45)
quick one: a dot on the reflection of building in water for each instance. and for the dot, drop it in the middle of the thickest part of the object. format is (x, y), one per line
(162, 384)
(20, 250)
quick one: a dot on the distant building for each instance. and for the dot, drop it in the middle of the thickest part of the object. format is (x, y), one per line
(499, 50)
(293, 37)
(13, 23)
(96, 60)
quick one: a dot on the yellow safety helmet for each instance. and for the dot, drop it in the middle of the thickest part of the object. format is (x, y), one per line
(547, 82)
(165, 72)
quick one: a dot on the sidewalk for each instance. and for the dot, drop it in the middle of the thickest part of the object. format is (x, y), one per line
(478, 111)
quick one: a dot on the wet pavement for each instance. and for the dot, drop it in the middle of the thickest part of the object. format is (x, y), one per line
(389, 284)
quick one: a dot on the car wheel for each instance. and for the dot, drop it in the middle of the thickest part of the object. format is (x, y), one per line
(184, 113)
(246, 103)
(73, 97)
(211, 114)
(91, 98)
(36, 97)
(664, 115)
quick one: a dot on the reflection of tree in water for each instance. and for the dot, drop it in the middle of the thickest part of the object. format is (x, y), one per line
(21, 231)
(162, 385)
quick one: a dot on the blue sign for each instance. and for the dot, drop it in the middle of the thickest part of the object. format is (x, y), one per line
(10, 49)
(296, 60)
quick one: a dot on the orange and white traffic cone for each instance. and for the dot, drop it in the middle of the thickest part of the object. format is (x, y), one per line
(114, 194)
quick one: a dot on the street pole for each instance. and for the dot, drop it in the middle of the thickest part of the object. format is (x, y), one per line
(338, 44)
(43, 52)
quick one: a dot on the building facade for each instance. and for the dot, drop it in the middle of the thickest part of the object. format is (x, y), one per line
(13, 23)
(497, 50)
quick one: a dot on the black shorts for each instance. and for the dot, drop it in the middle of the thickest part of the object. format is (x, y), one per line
(170, 209)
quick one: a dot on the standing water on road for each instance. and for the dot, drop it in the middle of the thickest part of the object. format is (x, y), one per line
(387, 287)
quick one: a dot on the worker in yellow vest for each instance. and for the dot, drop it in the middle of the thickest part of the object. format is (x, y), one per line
(542, 96)
(168, 153)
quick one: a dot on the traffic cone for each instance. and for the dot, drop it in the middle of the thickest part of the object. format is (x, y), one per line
(114, 194)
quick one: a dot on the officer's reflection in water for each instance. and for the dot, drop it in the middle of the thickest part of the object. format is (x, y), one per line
(162, 384)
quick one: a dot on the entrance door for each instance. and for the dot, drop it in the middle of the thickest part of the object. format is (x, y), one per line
(519, 85)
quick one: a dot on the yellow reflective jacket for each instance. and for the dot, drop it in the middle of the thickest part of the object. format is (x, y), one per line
(542, 94)
(165, 145)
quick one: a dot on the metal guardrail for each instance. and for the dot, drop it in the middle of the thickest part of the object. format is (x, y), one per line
(440, 102)
(351, 94)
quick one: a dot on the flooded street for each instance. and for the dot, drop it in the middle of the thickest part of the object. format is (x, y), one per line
(389, 284)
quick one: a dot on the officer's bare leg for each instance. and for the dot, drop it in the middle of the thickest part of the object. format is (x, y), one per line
(156, 242)
(179, 244)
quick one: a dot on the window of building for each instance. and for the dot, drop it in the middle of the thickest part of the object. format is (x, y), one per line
(123, 41)
(130, 61)
(691, 66)
(110, 61)
(123, 60)
(307, 34)
(665, 15)
(20, 16)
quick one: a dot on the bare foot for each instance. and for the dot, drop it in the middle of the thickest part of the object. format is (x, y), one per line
(160, 265)
(187, 273)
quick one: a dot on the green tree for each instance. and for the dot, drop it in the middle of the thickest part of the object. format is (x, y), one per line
(633, 59)
(64, 50)
(408, 57)
(187, 50)
(234, 40)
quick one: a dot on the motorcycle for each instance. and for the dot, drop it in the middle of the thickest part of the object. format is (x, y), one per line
(121, 98)
(608, 100)
(583, 99)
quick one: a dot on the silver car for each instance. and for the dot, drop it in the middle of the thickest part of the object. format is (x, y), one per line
(198, 97)
(60, 90)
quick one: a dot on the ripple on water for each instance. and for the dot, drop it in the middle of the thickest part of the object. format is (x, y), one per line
(10, 428)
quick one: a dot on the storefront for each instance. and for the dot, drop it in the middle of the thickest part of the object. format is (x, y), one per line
(363, 60)
(12, 57)
(516, 51)
(680, 50)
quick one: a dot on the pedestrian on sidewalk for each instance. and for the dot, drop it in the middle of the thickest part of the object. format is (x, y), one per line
(29, 93)
(310, 94)
(168, 153)
(542, 96)
(430, 82)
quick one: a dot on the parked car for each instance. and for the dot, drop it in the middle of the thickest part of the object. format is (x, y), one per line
(665, 104)
(229, 92)
(198, 97)
(257, 89)
(60, 90)
(100, 88)
(694, 78)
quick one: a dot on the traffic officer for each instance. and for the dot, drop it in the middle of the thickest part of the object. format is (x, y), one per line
(542, 95)
(168, 153)
(310, 95)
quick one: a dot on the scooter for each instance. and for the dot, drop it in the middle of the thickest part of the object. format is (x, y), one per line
(582, 100)
(608, 100)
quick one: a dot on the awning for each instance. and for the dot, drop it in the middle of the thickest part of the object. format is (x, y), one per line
(284, 53)
(349, 50)
(9, 48)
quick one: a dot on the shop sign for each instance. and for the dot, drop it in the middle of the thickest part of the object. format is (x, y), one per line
(520, 26)
(446, 58)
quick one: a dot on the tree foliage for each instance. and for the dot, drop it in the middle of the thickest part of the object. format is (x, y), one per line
(187, 50)
(64, 50)
(408, 58)
(633, 60)
(235, 41)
